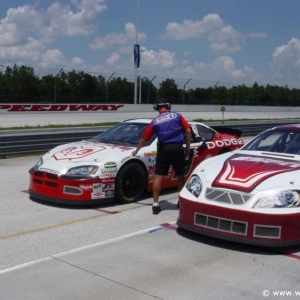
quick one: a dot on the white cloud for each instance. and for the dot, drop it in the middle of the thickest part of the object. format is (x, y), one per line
(285, 63)
(163, 58)
(64, 21)
(113, 59)
(224, 48)
(52, 58)
(128, 37)
(224, 66)
(29, 52)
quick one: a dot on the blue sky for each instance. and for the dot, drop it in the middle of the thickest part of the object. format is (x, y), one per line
(204, 41)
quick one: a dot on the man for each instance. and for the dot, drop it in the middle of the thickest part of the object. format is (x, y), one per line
(169, 128)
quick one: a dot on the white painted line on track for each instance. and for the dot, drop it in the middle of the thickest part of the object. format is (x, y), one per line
(28, 264)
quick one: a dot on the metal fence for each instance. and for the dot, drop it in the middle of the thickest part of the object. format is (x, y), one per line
(22, 142)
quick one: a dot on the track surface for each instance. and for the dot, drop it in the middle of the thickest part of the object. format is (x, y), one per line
(125, 252)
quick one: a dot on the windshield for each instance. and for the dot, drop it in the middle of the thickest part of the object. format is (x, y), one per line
(123, 134)
(280, 141)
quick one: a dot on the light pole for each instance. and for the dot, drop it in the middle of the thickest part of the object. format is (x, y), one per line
(136, 42)
(140, 85)
(149, 87)
(184, 90)
(212, 92)
(55, 84)
(106, 94)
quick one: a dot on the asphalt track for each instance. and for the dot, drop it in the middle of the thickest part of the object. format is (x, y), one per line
(124, 252)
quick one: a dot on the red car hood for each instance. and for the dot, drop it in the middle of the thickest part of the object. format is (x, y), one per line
(245, 172)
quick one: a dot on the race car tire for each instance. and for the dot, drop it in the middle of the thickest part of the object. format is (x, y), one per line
(131, 183)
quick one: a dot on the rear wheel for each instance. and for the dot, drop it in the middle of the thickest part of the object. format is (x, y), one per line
(131, 183)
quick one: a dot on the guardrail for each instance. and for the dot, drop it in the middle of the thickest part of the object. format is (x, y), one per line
(41, 140)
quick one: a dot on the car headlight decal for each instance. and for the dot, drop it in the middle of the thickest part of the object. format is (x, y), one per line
(194, 185)
(82, 170)
(287, 198)
(39, 163)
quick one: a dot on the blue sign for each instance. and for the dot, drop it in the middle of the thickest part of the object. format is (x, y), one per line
(136, 54)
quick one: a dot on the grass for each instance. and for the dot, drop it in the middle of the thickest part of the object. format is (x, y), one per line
(114, 123)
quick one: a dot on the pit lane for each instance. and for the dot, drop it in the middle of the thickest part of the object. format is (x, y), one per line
(123, 252)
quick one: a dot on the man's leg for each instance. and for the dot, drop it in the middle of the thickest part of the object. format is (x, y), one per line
(156, 187)
(180, 182)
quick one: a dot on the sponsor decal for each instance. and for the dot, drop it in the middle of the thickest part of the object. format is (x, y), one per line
(107, 175)
(125, 158)
(109, 170)
(108, 180)
(97, 187)
(58, 107)
(151, 160)
(110, 164)
(48, 171)
(150, 169)
(164, 118)
(97, 195)
(85, 187)
(224, 143)
(77, 151)
(244, 172)
(109, 193)
(150, 154)
(108, 186)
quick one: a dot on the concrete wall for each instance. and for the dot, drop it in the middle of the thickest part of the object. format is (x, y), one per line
(46, 108)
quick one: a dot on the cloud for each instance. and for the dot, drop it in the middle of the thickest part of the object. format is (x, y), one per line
(224, 48)
(68, 21)
(29, 52)
(211, 26)
(128, 37)
(52, 58)
(224, 66)
(113, 59)
(286, 63)
(163, 59)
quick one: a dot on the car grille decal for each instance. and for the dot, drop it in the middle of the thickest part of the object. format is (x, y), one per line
(264, 231)
(220, 224)
(44, 178)
(245, 172)
(234, 198)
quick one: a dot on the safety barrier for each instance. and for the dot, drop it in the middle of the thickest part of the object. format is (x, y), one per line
(20, 142)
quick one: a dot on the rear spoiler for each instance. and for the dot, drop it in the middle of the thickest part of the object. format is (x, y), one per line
(228, 130)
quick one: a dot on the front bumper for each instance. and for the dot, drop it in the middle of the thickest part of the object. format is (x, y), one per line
(243, 226)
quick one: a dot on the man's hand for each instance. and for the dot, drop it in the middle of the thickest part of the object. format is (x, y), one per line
(186, 153)
(134, 153)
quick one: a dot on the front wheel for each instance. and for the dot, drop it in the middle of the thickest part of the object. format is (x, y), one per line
(131, 183)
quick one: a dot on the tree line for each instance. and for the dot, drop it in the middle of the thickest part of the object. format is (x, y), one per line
(20, 84)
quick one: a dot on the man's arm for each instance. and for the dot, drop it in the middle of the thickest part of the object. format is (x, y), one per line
(188, 137)
(138, 147)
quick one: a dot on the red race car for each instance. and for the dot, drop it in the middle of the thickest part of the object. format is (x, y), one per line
(103, 168)
(251, 195)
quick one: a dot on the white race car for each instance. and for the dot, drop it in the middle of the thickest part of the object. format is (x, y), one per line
(103, 168)
(250, 195)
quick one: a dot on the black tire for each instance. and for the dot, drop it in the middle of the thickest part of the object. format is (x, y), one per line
(131, 183)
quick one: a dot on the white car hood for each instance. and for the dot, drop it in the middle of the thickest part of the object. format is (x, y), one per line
(78, 153)
(246, 171)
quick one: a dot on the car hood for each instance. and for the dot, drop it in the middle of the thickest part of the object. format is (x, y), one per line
(85, 151)
(246, 171)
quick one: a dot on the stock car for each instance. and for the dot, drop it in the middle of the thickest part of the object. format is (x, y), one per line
(250, 195)
(103, 169)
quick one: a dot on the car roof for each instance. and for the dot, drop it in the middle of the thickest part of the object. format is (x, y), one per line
(144, 120)
(148, 120)
(295, 127)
